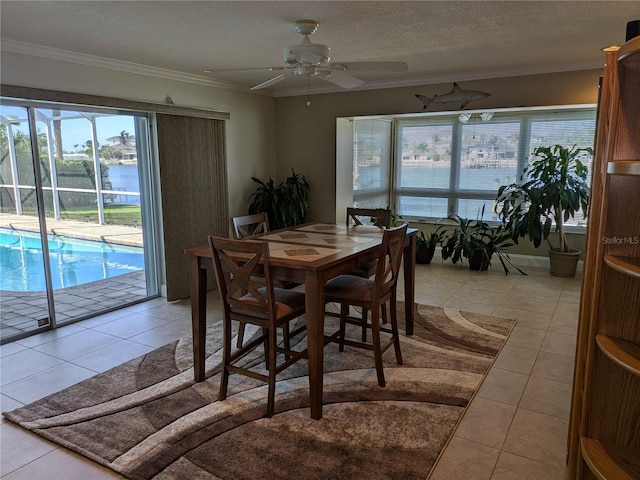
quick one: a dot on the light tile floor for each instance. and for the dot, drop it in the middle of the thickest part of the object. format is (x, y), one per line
(515, 428)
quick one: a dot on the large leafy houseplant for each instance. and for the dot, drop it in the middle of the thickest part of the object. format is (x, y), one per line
(554, 189)
(477, 241)
(286, 203)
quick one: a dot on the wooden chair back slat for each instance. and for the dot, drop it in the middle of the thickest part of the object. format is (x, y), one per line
(249, 225)
(380, 217)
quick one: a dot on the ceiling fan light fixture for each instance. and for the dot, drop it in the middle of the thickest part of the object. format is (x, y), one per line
(306, 70)
(309, 53)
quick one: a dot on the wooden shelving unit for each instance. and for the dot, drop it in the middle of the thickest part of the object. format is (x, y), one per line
(625, 354)
(604, 430)
(624, 167)
(606, 464)
(627, 266)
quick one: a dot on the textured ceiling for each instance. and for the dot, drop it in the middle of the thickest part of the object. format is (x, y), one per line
(440, 40)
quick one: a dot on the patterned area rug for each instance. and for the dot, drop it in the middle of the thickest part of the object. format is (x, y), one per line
(146, 419)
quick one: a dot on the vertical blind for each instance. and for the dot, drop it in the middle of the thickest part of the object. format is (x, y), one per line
(193, 181)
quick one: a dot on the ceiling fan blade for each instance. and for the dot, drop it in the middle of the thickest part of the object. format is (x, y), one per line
(273, 81)
(342, 79)
(371, 66)
(222, 70)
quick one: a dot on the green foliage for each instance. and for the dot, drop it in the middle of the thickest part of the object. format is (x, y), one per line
(396, 219)
(464, 238)
(69, 173)
(431, 240)
(555, 188)
(286, 204)
(109, 152)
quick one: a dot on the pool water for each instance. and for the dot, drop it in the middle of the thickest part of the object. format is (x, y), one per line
(73, 261)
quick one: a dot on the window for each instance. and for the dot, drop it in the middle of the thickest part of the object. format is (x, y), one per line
(371, 163)
(455, 163)
(86, 174)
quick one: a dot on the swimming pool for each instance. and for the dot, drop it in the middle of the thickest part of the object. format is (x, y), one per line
(73, 261)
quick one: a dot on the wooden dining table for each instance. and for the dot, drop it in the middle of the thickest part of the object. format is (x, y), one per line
(309, 254)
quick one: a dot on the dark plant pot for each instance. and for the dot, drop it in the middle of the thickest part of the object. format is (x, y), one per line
(479, 261)
(563, 264)
(425, 254)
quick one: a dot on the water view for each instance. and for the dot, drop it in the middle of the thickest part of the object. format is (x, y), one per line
(124, 178)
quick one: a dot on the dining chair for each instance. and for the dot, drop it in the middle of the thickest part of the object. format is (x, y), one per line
(264, 306)
(371, 294)
(379, 217)
(247, 226)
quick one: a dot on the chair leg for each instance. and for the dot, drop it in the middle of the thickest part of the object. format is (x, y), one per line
(286, 339)
(377, 349)
(226, 354)
(240, 334)
(265, 334)
(344, 311)
(364, 324)
(394, 329)
(271, 396)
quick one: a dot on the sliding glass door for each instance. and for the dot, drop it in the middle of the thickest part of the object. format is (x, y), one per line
(76, 214)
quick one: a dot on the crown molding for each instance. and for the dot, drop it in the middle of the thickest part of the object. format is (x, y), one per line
(50, 53)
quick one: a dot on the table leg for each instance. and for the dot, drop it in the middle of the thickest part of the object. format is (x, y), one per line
(409, 283)
(198, 291)
(314, 290)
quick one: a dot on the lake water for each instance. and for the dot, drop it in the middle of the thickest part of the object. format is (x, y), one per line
(439, 178)
(124, 178)
(425, 177)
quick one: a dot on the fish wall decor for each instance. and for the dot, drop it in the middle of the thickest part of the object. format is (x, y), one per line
(456, 95)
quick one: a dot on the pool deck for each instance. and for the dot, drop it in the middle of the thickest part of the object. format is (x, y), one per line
(117, 234)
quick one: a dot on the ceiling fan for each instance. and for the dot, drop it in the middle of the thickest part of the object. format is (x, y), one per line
(313, 60)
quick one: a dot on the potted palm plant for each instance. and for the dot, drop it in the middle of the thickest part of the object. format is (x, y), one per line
(554, 188)
(286, 203)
